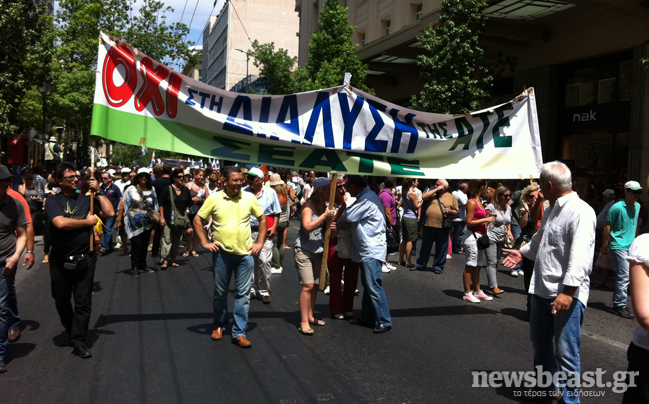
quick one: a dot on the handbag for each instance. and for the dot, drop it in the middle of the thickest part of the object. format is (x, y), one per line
(508, 241)
(392, 236)
(153, 215)
(178, 220)
(447, 221)
(482, 241)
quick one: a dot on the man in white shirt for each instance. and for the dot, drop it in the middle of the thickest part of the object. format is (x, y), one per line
(563, 252)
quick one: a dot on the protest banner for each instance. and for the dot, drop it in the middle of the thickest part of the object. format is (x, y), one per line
(139, 101)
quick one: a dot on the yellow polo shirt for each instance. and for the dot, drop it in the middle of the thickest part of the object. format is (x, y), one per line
(231, 220)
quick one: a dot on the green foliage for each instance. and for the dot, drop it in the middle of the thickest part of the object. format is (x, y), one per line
(150, 33)
(331, 55)
(78, 25)
(331, 51)
(127, 154)
(24, 55)
(276, 67)
(453, 66)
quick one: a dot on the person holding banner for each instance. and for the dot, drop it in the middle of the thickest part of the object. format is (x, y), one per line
(308, 247)
(369, 248)
(72, 262)
(339, 261)
(233, 251)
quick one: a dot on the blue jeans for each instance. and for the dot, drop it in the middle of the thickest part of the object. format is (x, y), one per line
(243, 267)
(6, 283)
(375, 304)
(17, 171)
(621, 266)
(562, 353)
(109, 225)
(440, 238)
(456, 236)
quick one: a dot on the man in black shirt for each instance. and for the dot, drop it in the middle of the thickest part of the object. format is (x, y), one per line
(13, 238)
(72, 263)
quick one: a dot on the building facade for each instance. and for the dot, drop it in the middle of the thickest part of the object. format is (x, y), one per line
(583, 58)
(228, 36)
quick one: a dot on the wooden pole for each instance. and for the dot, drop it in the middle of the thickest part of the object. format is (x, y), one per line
(325, 253)
(92, 197)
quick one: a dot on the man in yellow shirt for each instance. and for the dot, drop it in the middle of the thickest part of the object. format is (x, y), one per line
(232, 249)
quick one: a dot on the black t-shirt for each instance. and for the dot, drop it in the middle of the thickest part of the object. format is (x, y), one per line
(181, 201)
(69, 242)
(160, 184)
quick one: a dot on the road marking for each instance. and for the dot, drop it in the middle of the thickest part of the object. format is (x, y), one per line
(606, 340)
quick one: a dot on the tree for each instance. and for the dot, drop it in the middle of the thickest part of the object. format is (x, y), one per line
(332, 53)
(275, 67)
(78, 25)
(24, 55)
(453, 65)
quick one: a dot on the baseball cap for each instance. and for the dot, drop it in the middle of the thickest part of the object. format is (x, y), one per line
(320, 182)
(256, 171)
(632, 185)
(126, 170)
(609, 193)
(143, 170)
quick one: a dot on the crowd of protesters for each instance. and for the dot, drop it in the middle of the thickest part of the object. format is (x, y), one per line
(168, 212)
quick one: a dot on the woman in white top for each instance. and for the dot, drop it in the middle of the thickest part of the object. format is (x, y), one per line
(497, 231)
(638, 352)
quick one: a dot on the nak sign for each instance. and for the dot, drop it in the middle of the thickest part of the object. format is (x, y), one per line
(141, 102)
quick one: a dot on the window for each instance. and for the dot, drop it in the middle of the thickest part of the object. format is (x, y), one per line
(418, 9)
(387, 24)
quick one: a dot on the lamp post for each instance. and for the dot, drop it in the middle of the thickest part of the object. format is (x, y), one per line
(247, 62)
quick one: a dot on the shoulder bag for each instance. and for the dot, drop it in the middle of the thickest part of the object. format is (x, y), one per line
(178, 220)
(447, 221)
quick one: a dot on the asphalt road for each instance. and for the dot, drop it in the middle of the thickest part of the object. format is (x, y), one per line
(150, 339)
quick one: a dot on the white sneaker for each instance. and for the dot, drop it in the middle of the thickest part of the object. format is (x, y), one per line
(480, 295)
(470, 298)
(118, 245)
(276, 270)
(356, 292)
(327, 290)
(521, 273)
(514, 273)
(390, 266)
(385, 269)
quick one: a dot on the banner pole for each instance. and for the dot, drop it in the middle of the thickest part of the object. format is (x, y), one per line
(92, 196)
(325, 253)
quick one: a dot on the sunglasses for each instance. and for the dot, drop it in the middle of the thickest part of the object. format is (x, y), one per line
(180, 176)
(506, 195)
(340, 186)
(637, 192)
(70, 177)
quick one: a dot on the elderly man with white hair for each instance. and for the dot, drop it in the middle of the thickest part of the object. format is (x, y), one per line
(563, 252)
(443, 205)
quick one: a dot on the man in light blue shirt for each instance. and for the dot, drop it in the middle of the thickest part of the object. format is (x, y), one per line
(269, 203)
(619, 232)
(369, 248)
